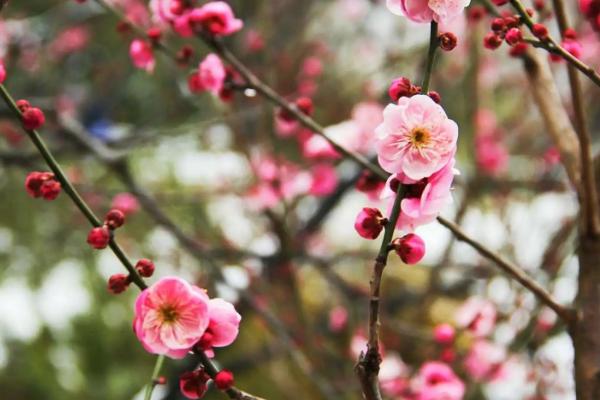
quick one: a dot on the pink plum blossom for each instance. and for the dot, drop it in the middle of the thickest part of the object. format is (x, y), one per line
(171, 316)
(423, 199)
(444, 334)
(324, 179)
(416, 137)
(223, 326)
(338, 319)
(478, 315)
(126, 203)
(484, 360)
(424, 11)
(436, 381)
(211, 74)
(393, 374)
(142, 55)
(216, 18)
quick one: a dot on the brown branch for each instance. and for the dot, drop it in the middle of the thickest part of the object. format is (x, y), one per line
(567, 314)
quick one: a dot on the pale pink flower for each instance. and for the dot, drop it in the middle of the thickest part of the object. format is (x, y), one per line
(142, 55)
(216, 18)
(415, 138)
(171, 316)
(484, 360)
(358, 345)
(393, 374)
(312, 67)
(478, 315)
(211, 74)
(436, 381)
(223, 326)
(69, 41)
(317, 147)
(324, 179)
(427, 10)
(423, 199)
(126, 203)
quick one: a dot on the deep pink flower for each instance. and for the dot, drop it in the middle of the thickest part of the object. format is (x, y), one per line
(223, 326)
(424, 198)
(415, 138)
(212, 74)
(427, 10)
(216, 18)
(171, 316)
(478, 315)
(436, 381)
(484, 360)
(142, 55)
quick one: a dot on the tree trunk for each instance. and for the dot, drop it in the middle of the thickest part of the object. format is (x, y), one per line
(586, 331)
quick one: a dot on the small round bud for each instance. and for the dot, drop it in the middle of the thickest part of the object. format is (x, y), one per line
(145, 267)
(492, 41)
(435, 96)
(99, 237)
(410, 248)
(224, 380)
(184, 55)
(305, 105)
(33, 118)
(369, 223)
(114, 218)
(50, 189)
(402, 87)
(118, 283)
(154, 34)
(161, 380)
(513, 36)
(518, 49)
(22, 105)
(570, 33)
(539, 5)
(498, 25)
(500, 2)
(448, 355)
(540, 31)
(444, 334)
(34, 182)
(447, 41)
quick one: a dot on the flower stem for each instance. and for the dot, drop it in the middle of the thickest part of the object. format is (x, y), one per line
(433, 45)
(157, 366)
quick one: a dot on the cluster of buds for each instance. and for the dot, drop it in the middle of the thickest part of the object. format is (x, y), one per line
(118, 283)
(99, 236)
(42, 184)
(194, 384)
(31, 117)
(507, 28)
(447, 41)
(403, 87)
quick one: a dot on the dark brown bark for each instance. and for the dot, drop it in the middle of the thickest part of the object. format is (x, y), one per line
(586, 332)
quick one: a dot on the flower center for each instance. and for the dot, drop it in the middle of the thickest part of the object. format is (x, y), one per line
(169, 314)
(419, 137)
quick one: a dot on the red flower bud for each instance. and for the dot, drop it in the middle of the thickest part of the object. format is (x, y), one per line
(540, 31)
(193, 383)
(154, 34)
(305, 105)
(33, 118)
(224, 379)
(435, 96)
(99, 237)
(498, 25)
(145, 267)
(447, 41)
(513, 36)
(114, 219)
(410, 248)
(518, 49)
(402, 87)
(23, 105)
(34, 182)
(369, 223)
(50, 189)
(118, 283)
(492, 41)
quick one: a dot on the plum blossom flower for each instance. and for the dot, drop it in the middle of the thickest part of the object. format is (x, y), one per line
(425, 11)
(211, 74)
(484, 360)
(171, 316)
(436, 380)
(142, 55)
(423, 199)
(478, 315)
(223, 326)
(126, 203)
(324, 179)
(415, 138)
(216, 18)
